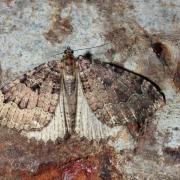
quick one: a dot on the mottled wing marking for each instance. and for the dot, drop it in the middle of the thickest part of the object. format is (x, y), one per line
(87, 125)
(57, 126)
(29, 102)
(117, 96)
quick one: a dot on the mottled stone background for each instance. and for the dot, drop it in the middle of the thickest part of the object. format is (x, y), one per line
(142, 36)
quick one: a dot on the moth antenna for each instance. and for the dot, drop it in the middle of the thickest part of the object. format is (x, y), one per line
(58, 54)
(91, 47)
(82, 49)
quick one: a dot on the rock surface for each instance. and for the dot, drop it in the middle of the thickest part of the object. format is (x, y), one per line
(142, 36)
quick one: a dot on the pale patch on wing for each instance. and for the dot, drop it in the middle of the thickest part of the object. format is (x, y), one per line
(87, 124)
(22, 119)
(56, 128)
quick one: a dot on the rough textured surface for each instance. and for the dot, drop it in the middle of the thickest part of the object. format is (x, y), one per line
(30, 160)
(144, 37)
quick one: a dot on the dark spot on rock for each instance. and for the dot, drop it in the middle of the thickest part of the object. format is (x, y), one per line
(157, 48)
(176, 129)
(163, 52)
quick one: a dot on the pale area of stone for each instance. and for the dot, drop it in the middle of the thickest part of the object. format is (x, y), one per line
(122, 141)
(86, 31)
(22, 25)
(153, 164)
(141, 168)
(87, 125)
(23, 44)
(169, 122)
(157, 15)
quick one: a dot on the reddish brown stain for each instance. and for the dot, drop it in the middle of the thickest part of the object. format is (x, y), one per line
(83, 169)
(46, 172)
(87, 169)
(60, 28)
(92, 167)
(65, 25)
(162, 52)
(51, 36)
(165, 55)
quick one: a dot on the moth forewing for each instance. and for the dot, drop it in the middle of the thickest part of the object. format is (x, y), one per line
(57, 127)
(87, 124)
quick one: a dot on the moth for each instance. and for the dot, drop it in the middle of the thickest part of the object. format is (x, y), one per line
(76, 96)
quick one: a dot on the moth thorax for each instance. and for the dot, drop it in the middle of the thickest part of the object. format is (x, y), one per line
(69, 70)
(69, 65)
(69, 81)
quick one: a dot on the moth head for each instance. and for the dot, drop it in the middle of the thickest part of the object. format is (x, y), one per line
(68, 52)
